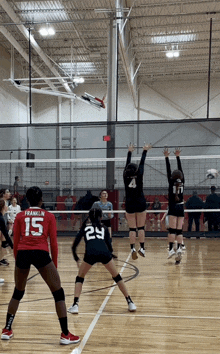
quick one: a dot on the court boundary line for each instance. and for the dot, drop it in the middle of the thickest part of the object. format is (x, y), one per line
(125, 315)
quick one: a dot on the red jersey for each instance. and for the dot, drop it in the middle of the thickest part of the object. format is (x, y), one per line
(32, 227)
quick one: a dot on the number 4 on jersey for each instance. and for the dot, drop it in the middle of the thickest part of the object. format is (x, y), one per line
(132, 184)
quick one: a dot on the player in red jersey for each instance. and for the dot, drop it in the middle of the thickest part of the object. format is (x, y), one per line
(32, 228)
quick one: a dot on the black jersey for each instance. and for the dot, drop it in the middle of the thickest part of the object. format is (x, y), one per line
(97, 241)
(4, 230)
(172, 187)
(134, 195)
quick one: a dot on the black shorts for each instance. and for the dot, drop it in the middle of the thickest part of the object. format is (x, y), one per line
(38, 258)
(103, 258)
(176, 210)
(107, 222)
(136, 207)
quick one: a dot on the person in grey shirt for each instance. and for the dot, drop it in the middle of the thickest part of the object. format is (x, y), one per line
(106, 208)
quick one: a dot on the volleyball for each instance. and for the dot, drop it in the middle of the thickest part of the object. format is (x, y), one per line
(212, 173)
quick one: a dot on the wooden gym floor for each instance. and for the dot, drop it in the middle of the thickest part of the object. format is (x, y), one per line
(178, 307)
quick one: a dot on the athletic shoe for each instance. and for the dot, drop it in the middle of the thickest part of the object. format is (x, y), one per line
(6, 334)
(114, 256)
(4, 262)
(178, 255)
(131, 307)
(183, 247)
(2, 280)
(73, 309)
(141, 252)
(134, 254)
(171, 253)
(69, 339)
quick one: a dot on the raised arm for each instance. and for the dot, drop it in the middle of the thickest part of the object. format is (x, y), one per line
(177, 153)
(130, 150)
(146, 147)
(166, 153)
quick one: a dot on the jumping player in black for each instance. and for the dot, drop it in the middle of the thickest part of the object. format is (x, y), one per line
(175, 205)
(135, 202)
(98, 249)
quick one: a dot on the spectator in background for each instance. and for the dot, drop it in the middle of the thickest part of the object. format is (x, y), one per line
(194, 202)
(212, 202)
(6, 195)
(15, 186)
(13, 210)
(68, 204)
(155, 217)
(106, 208)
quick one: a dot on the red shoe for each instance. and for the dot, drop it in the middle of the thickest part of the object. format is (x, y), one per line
(69, 339)
(6, 334)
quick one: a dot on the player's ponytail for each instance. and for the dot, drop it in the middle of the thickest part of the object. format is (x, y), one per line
(95, 216)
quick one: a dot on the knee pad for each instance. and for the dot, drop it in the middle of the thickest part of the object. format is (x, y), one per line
(179, 232)
(117, 278)
(59, 295)
(18, 294)
(132, 229)
(172, 231)
(79, 279)
(141, 228)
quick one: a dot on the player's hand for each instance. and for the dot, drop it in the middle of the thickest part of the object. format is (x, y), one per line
(166, 152)
(147, 147)
(177, 152)
(131, 147)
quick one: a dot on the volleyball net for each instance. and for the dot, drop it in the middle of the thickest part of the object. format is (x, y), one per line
(62, 178)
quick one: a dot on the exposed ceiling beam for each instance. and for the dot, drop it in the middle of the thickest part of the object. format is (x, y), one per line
(8, 9)
(17, 46)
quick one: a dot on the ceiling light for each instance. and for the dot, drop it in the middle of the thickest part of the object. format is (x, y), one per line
(51, 31)
(43, 32)
(78, 80)
(47, 31)
(169, 54)
(176, 54)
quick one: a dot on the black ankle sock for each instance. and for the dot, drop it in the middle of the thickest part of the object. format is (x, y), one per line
(179, 245)
(9, 321)
(63, 325)
(142, 244)
(76, 301)
(128, 299)
(170, 245)
(132, 246)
